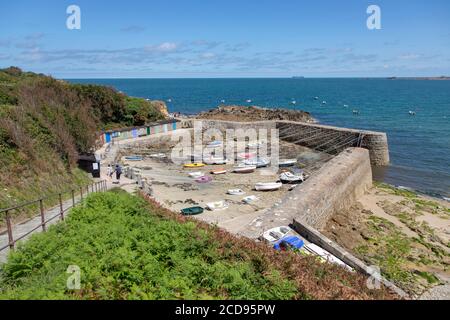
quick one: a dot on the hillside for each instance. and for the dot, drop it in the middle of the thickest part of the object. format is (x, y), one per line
(45, 123)
(129, 248)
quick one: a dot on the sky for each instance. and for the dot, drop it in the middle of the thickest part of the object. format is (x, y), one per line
(212, 38)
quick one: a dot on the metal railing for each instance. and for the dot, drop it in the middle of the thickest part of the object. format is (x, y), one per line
(71, 196)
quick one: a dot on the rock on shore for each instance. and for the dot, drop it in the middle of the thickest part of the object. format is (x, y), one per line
(254, 113)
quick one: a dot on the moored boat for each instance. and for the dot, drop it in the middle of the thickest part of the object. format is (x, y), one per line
(218, 205)
(324, 255)
(272, 235)
(287, 162)
(258, 162)
(250, 199)
(244, 169)
(215, 160)
(191, 211)
(219, 171)
(289, 178)
(236, 192)
(288, 242)
(133, 158)
(194, 165)
(196, 174)
(268, 186)
(203, 179)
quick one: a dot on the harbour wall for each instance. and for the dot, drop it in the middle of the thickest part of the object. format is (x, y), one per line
(334, 187)
(325, 138)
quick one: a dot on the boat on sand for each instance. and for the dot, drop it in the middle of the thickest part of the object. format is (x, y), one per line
(235, 192)
(204, 179)
(244, 169)
(268, 186)
(218, 205)
(194, 165)
(196, 174)
(191, 211)
(219, 171)
(290, 178)
(287, 162)
(250, 199)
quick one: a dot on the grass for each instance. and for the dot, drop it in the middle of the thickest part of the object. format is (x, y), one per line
(129, 248)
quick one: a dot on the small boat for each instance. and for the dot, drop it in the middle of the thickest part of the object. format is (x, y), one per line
(249, 101)
(250, 199)
(169, 100)
(293, 102)
(218, 205)
(324, 102)
(243, 156)
(214, 144)
(133, 158)
(236, 192)
(324, 255)
(157, 155)
(258, 162)
(316, 98)
(244, 169)
(288, 243)
(194, 165)
(191, 211)
(345, 105)
(412, 113)
(275, 234)
(355, 111)
(222, 101)
(219, 171)
(203, 179)
(268, 186)
(215, 160)
(287, 162)
(196, 174)
(289, 178)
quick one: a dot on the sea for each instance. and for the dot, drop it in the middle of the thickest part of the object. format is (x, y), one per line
(415, 114)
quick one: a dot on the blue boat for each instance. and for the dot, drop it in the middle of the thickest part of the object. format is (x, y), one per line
(288, 242)
(133, 158)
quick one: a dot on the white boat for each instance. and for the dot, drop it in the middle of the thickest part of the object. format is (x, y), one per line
(249, 101)
(215, 160)
(196, 174)
(218, 205)
(250, 199)
(258, 162)
(287, 162)
(412, 113)
(214, 144)
(236, 192)
(244, 169)
(325, 256)
(275, 234)
(158, 155)
(290, 178)
(316, 98)
(324, 102)
(268, 186)
(293, 102)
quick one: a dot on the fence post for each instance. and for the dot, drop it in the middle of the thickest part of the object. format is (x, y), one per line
(61, 210)
(81, 192)
(73, 198)
(41, 206)
(96, 187)
(10, 233)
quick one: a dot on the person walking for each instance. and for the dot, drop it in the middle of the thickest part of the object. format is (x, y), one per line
(118, 172)
(110, 171)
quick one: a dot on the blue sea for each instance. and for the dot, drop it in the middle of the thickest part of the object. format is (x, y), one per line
(419, 144)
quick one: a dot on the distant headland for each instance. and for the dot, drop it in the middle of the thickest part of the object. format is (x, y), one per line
(420, 78)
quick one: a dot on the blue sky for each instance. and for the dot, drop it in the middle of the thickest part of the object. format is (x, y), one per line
(212, 38)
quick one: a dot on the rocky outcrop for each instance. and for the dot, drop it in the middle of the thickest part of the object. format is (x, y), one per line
(253, 113)
(161, 107)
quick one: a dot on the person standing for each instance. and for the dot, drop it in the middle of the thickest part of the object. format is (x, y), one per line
(109, 172)
(118, 172)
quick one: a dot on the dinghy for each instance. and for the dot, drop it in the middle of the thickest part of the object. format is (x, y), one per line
(191, 211)
(196, 174)
(258, 162)
(273, 235)
(250, 199)
(203, 179)
(158, 155)
(194, 165)
(218, 205)
(268, 186)
(236, 192)
(244, 169)
(244, 156)
(219, 171)
(133, 158)
(287, 162)
(289, 178)
(324, 255)
(215, 160)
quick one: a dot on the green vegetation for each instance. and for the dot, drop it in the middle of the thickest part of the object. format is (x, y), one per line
(45, 124)
(128, 248)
